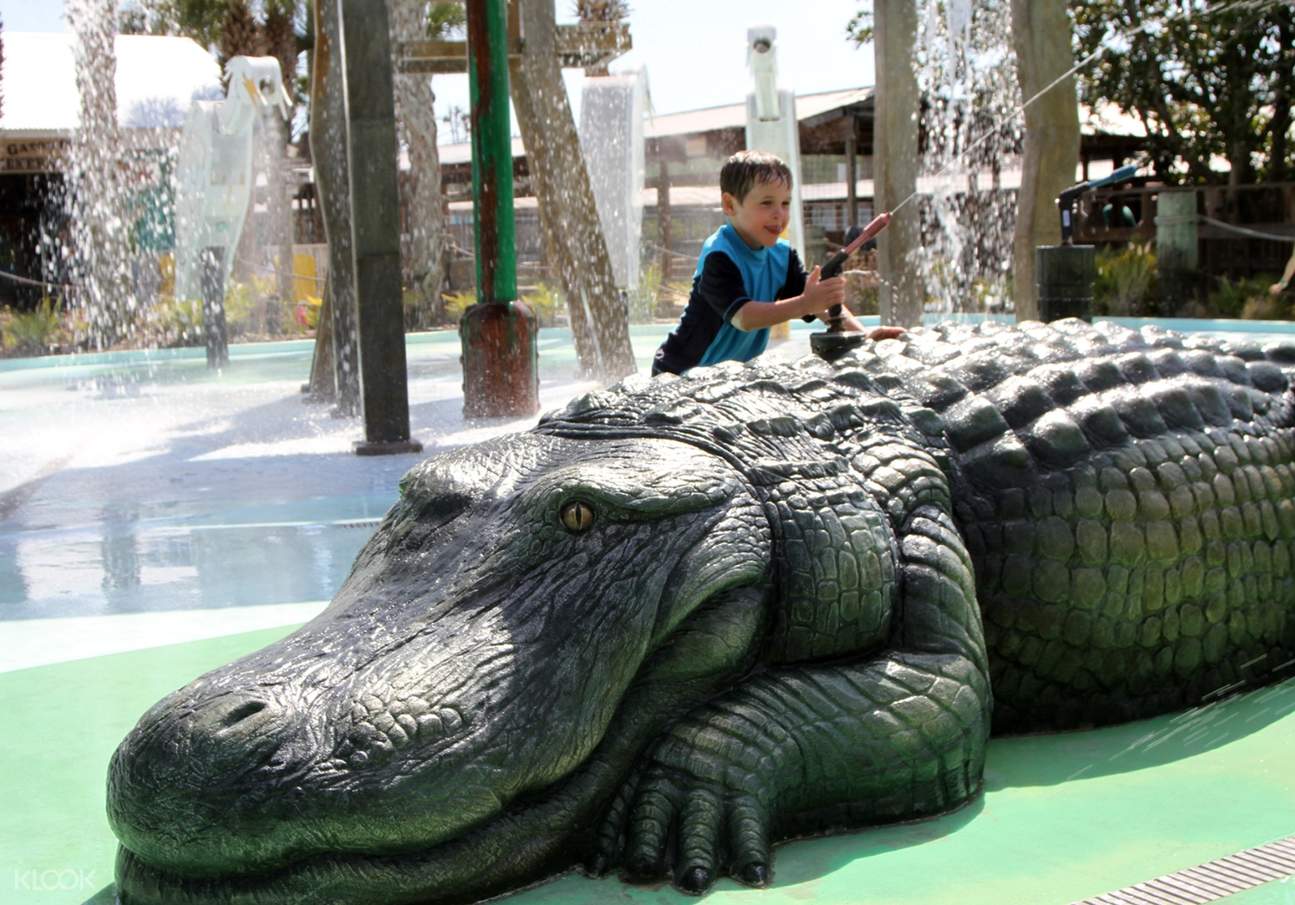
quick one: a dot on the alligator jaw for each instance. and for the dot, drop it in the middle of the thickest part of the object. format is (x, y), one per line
(519, 845)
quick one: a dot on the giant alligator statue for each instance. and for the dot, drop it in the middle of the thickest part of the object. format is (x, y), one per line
(684, 618)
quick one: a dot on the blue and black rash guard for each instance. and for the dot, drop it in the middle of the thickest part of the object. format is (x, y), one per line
(729, 274)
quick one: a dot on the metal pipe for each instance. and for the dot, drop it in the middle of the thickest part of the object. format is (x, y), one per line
(492, 154)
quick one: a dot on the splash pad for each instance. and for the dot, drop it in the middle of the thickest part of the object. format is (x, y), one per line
(204, 501)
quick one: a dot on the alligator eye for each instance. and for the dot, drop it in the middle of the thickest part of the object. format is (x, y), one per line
(577, 517)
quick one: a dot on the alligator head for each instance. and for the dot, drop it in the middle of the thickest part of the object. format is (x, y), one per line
(529, 615)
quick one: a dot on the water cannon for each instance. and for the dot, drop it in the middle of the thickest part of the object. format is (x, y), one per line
(834, 342)
(855, 238)
(1066, 200)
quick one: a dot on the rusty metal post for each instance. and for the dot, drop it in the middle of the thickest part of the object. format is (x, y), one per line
(498, 333)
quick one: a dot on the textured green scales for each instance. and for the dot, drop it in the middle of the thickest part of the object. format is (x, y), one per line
(794, 599)
(1127, 498)
(1129, 502)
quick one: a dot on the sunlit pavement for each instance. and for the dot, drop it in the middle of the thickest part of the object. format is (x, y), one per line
(157, 520)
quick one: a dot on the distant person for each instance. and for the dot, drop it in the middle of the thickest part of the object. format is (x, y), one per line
(1280, 286)
(747, 278)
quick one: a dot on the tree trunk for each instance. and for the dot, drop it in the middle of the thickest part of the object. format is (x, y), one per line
(1280, 124)
(543, 182)
(328, 149)
(278, 210)
(322, 382)
(896, 155)
(1041, 36)
(423, 241)
(281, 43)
(573, 235)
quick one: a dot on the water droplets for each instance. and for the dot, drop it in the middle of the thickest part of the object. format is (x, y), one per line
(95, 236)
(969, 76)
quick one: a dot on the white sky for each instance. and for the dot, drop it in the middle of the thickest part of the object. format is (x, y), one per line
(694, 50)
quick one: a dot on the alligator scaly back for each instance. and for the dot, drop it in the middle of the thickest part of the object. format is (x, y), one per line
(1127, 497)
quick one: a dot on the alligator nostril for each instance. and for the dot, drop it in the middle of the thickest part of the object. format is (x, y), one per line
(242, 712)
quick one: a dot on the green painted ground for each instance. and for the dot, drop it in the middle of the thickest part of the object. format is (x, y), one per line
(1063, 817)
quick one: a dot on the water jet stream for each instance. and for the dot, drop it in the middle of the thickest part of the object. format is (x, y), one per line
(1102, 48)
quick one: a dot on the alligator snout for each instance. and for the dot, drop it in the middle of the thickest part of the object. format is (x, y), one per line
(239, 722)
(471, 666)
(380, 728)
(206, 762)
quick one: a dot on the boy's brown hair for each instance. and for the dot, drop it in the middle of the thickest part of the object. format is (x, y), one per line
(745, 168)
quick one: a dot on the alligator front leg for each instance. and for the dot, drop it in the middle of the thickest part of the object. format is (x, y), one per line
(808, 747)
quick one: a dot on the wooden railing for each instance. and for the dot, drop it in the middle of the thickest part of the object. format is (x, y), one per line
(1115, 217)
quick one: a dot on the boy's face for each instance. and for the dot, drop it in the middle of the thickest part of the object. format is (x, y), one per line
(762, 215)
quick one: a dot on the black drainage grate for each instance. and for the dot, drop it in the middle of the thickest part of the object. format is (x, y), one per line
(1210, 881)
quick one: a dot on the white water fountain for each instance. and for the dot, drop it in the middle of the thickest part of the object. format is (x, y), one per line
(771, 121)
(98, 240)
(966, 71)
(214, 176)
(612, 112)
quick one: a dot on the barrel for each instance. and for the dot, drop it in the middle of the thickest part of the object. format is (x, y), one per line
(1064, 276)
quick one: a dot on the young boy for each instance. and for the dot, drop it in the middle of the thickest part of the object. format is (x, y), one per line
(748, 279)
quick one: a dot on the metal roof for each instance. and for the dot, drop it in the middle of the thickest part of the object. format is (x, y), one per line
(733, 116)
(688, 122)
(1107, 120)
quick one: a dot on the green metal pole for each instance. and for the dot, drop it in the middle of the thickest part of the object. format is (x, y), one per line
(499, 333)
(492, 153)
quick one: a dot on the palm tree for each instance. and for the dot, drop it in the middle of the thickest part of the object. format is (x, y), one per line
(279, 39)
(423, 241)
(335, 369)
(574, 243)
(239, 32)
(599, 14)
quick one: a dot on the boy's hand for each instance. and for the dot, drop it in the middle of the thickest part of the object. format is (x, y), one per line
(821, 294)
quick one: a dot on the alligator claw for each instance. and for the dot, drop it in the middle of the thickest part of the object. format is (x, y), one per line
(690, 814)
(695, 880)
(756, 875)
(642, 870)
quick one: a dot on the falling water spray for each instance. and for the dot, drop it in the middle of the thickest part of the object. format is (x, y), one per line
(98, 228)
